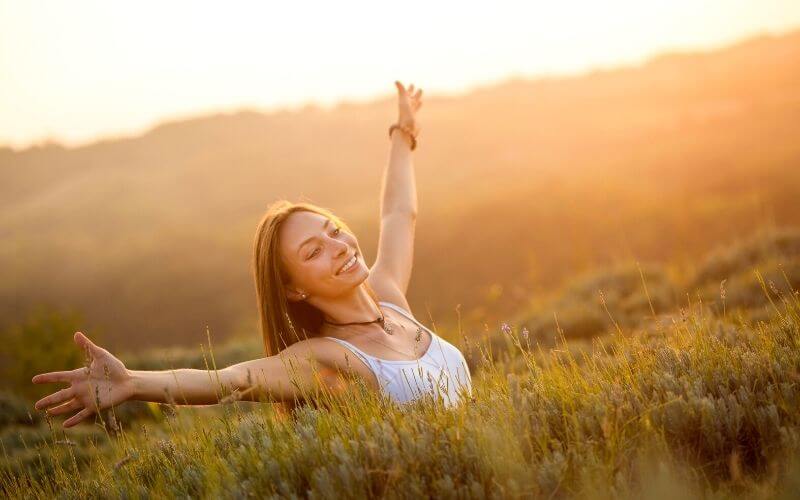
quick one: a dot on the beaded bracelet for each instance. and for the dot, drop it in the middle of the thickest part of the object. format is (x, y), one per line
(408, 132)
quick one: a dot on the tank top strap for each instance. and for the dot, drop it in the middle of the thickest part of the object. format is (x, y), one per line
(369, 360)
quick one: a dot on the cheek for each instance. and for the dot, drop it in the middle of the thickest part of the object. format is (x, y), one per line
(321, 270)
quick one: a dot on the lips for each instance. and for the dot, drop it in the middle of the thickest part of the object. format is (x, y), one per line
(355, 255)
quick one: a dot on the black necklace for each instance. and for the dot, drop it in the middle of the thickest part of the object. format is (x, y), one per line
(382, 320)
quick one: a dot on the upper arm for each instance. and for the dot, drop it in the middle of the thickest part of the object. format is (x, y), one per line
(391, 273)
(301, 369)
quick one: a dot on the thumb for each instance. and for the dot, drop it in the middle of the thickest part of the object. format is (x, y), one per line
(83, 341)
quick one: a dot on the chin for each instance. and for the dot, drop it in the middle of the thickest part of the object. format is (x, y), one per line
(358, 275)
(361, 276)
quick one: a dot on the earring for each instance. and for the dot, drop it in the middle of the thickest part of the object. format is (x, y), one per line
(303, 296)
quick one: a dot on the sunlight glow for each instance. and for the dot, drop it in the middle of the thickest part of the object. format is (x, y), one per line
(76, 71)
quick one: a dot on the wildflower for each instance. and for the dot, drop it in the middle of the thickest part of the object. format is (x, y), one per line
(505, 328)
(773, 287)
(525, 333)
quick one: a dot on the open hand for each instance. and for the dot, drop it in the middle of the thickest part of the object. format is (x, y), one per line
(103, 383)
(408, 102)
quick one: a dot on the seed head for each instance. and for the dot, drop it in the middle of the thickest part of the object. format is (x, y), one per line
(773, 287)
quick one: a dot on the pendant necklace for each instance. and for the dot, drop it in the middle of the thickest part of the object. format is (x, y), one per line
(386, 327)
(382, 320)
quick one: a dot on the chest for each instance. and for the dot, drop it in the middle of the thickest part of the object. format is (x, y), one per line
(406, 335)
(408, 340)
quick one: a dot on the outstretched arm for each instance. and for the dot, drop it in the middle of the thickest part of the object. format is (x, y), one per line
(391, 272)
(106, 382)
(293, 373)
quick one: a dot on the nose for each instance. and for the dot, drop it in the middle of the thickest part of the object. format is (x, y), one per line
(342, 247)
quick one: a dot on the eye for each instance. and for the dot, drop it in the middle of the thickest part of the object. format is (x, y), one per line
(336, 232)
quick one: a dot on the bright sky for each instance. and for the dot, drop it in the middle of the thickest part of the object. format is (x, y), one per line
(73, 71)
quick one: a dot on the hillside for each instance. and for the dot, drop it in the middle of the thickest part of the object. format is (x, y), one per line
(520, 184)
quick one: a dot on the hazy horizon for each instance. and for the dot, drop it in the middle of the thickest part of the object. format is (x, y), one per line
(106, 79)
(653, 163)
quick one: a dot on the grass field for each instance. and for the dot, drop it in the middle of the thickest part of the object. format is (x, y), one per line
(670, 395)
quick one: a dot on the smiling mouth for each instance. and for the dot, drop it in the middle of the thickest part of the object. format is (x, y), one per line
(351, 262)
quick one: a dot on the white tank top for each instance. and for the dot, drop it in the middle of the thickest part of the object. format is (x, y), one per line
(442, 371)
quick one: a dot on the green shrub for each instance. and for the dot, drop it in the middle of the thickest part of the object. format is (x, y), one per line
(42, 343)
(17, 410)
(778, 245)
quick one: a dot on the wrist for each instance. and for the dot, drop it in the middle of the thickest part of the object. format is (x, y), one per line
(410, 125)
(407, 134)
(401, 139)
(135, 385)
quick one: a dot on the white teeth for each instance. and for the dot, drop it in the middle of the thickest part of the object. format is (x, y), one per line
(348, 264)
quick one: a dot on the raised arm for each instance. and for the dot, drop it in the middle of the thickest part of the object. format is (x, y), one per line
(105, 382)
(391, 272)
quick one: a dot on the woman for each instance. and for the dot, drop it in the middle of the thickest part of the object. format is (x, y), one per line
(323, 314)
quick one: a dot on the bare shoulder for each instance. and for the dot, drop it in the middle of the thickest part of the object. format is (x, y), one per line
(386, 289)
(322, 360)
(324, 351)
(317, 349)
(332, 357)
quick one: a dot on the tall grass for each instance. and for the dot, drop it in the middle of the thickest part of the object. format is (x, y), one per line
(696, 405)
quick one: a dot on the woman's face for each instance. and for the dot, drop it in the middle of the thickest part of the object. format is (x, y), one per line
(314, 250)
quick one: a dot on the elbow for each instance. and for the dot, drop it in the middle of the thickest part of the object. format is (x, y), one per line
(239, 385)
(236, 378)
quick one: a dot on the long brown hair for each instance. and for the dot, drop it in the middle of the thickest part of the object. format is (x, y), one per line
(283, 322)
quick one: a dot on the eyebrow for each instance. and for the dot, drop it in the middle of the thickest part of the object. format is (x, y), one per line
(324, 225)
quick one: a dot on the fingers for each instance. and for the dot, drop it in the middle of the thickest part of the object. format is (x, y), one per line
(69, 406)
(78, 417)
(83, 341)
(47, 378)
(409, 91)
(55, 398)
(414, 98)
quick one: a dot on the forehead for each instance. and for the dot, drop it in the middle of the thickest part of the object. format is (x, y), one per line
(298, 226)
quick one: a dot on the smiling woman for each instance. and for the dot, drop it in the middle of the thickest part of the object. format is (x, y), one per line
(319, 305)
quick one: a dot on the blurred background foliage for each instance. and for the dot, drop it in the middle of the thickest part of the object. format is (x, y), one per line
(41, 342)
(523, 185)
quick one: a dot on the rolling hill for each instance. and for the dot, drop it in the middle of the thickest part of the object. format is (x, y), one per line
(520, 184)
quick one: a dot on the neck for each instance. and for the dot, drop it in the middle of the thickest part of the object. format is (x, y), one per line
(355, 306)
